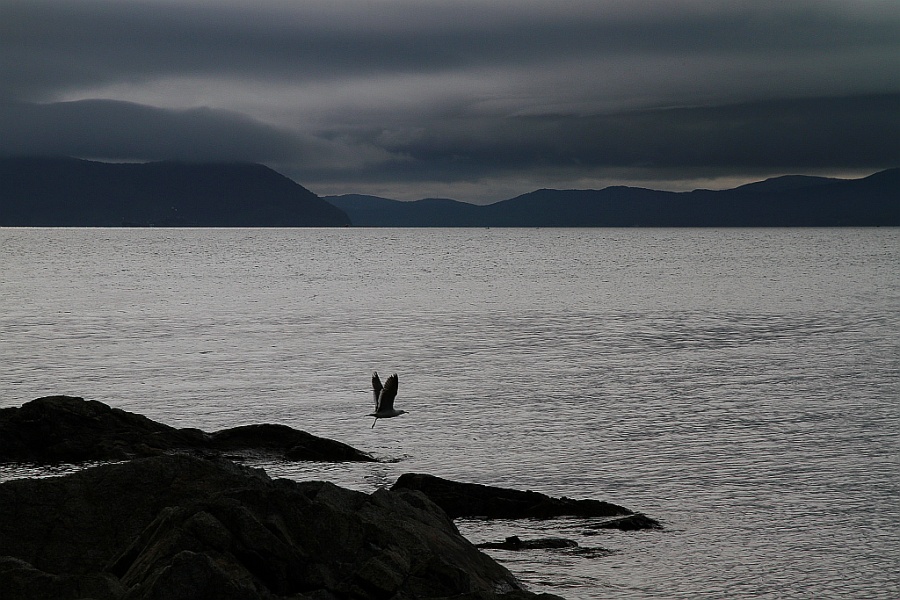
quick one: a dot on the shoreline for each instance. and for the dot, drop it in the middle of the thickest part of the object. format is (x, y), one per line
(170, 509)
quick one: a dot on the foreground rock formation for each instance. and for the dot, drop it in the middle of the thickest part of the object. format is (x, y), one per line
(180, 521)
(484, 501)
(179, 526)
(70, 429)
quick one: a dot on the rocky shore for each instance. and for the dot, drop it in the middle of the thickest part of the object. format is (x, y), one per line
(179, 526)
(176, 519)
(71, 429)
(476, 500)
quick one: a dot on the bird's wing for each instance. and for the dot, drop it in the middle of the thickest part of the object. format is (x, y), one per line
(376, 388)
(386, 398)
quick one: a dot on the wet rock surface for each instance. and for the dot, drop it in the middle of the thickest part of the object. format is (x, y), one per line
(484, 501)
(70, 429)
(180, 526)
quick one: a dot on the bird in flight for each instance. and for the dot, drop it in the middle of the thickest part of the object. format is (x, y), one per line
(384, 398)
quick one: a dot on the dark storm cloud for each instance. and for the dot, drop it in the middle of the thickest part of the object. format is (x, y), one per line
(463, 91)
(812, 132)
(749, 138)
(111, 129)
(50, 45)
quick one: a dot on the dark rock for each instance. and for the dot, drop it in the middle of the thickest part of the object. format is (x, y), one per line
(476, 500)
(179, 526)
(292, 443)
(69, 429)
(63, 428)
(571, 547)
(513, 542)
(20, 580)
(633, 522)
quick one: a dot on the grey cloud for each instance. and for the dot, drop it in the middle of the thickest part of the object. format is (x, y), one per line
(860, 132)
(457, 92)
(813, 134)
(54, 45)
(126, 131)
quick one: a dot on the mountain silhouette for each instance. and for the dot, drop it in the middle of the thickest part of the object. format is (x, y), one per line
(68, 192)
(789, 201)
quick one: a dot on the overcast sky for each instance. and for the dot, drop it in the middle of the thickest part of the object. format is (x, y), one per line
(478, 100)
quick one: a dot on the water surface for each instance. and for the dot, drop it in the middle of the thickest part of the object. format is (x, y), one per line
(741, 386)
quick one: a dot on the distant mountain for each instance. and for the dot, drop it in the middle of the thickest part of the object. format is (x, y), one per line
(790, 201)
(78, 193)
(67, 192)
(785, 183)
(372, 211)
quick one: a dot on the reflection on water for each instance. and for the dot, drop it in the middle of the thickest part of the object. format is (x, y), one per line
(738, 385)
(9, 471)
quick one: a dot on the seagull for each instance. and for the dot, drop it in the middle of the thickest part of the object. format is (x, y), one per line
(384, 398)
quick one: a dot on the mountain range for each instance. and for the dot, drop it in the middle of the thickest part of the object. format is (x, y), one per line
(68, 192)
(789, 201)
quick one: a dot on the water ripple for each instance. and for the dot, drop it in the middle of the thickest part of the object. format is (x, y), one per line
(738, 385)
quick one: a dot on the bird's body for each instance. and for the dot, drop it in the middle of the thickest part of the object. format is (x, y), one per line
(384, 398)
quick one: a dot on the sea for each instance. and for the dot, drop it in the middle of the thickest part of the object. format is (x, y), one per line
(741, 386)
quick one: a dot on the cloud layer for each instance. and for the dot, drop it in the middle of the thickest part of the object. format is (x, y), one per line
(476, 99)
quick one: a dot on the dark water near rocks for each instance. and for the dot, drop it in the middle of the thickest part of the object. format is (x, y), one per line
(741, 386)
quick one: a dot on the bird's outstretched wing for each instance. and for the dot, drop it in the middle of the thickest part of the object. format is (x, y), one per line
(387, 395)
(376, 388)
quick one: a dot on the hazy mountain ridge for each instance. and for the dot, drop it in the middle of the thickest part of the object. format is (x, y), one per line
(786, 182)
(68, 192)
(788, 201)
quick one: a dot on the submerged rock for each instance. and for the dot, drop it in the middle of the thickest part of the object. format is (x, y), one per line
(70, 429)
(513, 542)
(633, 522)
(179, 526)
(476, 500)
(567, 546)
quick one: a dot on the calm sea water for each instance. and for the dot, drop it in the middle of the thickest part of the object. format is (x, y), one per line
(741, 386)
